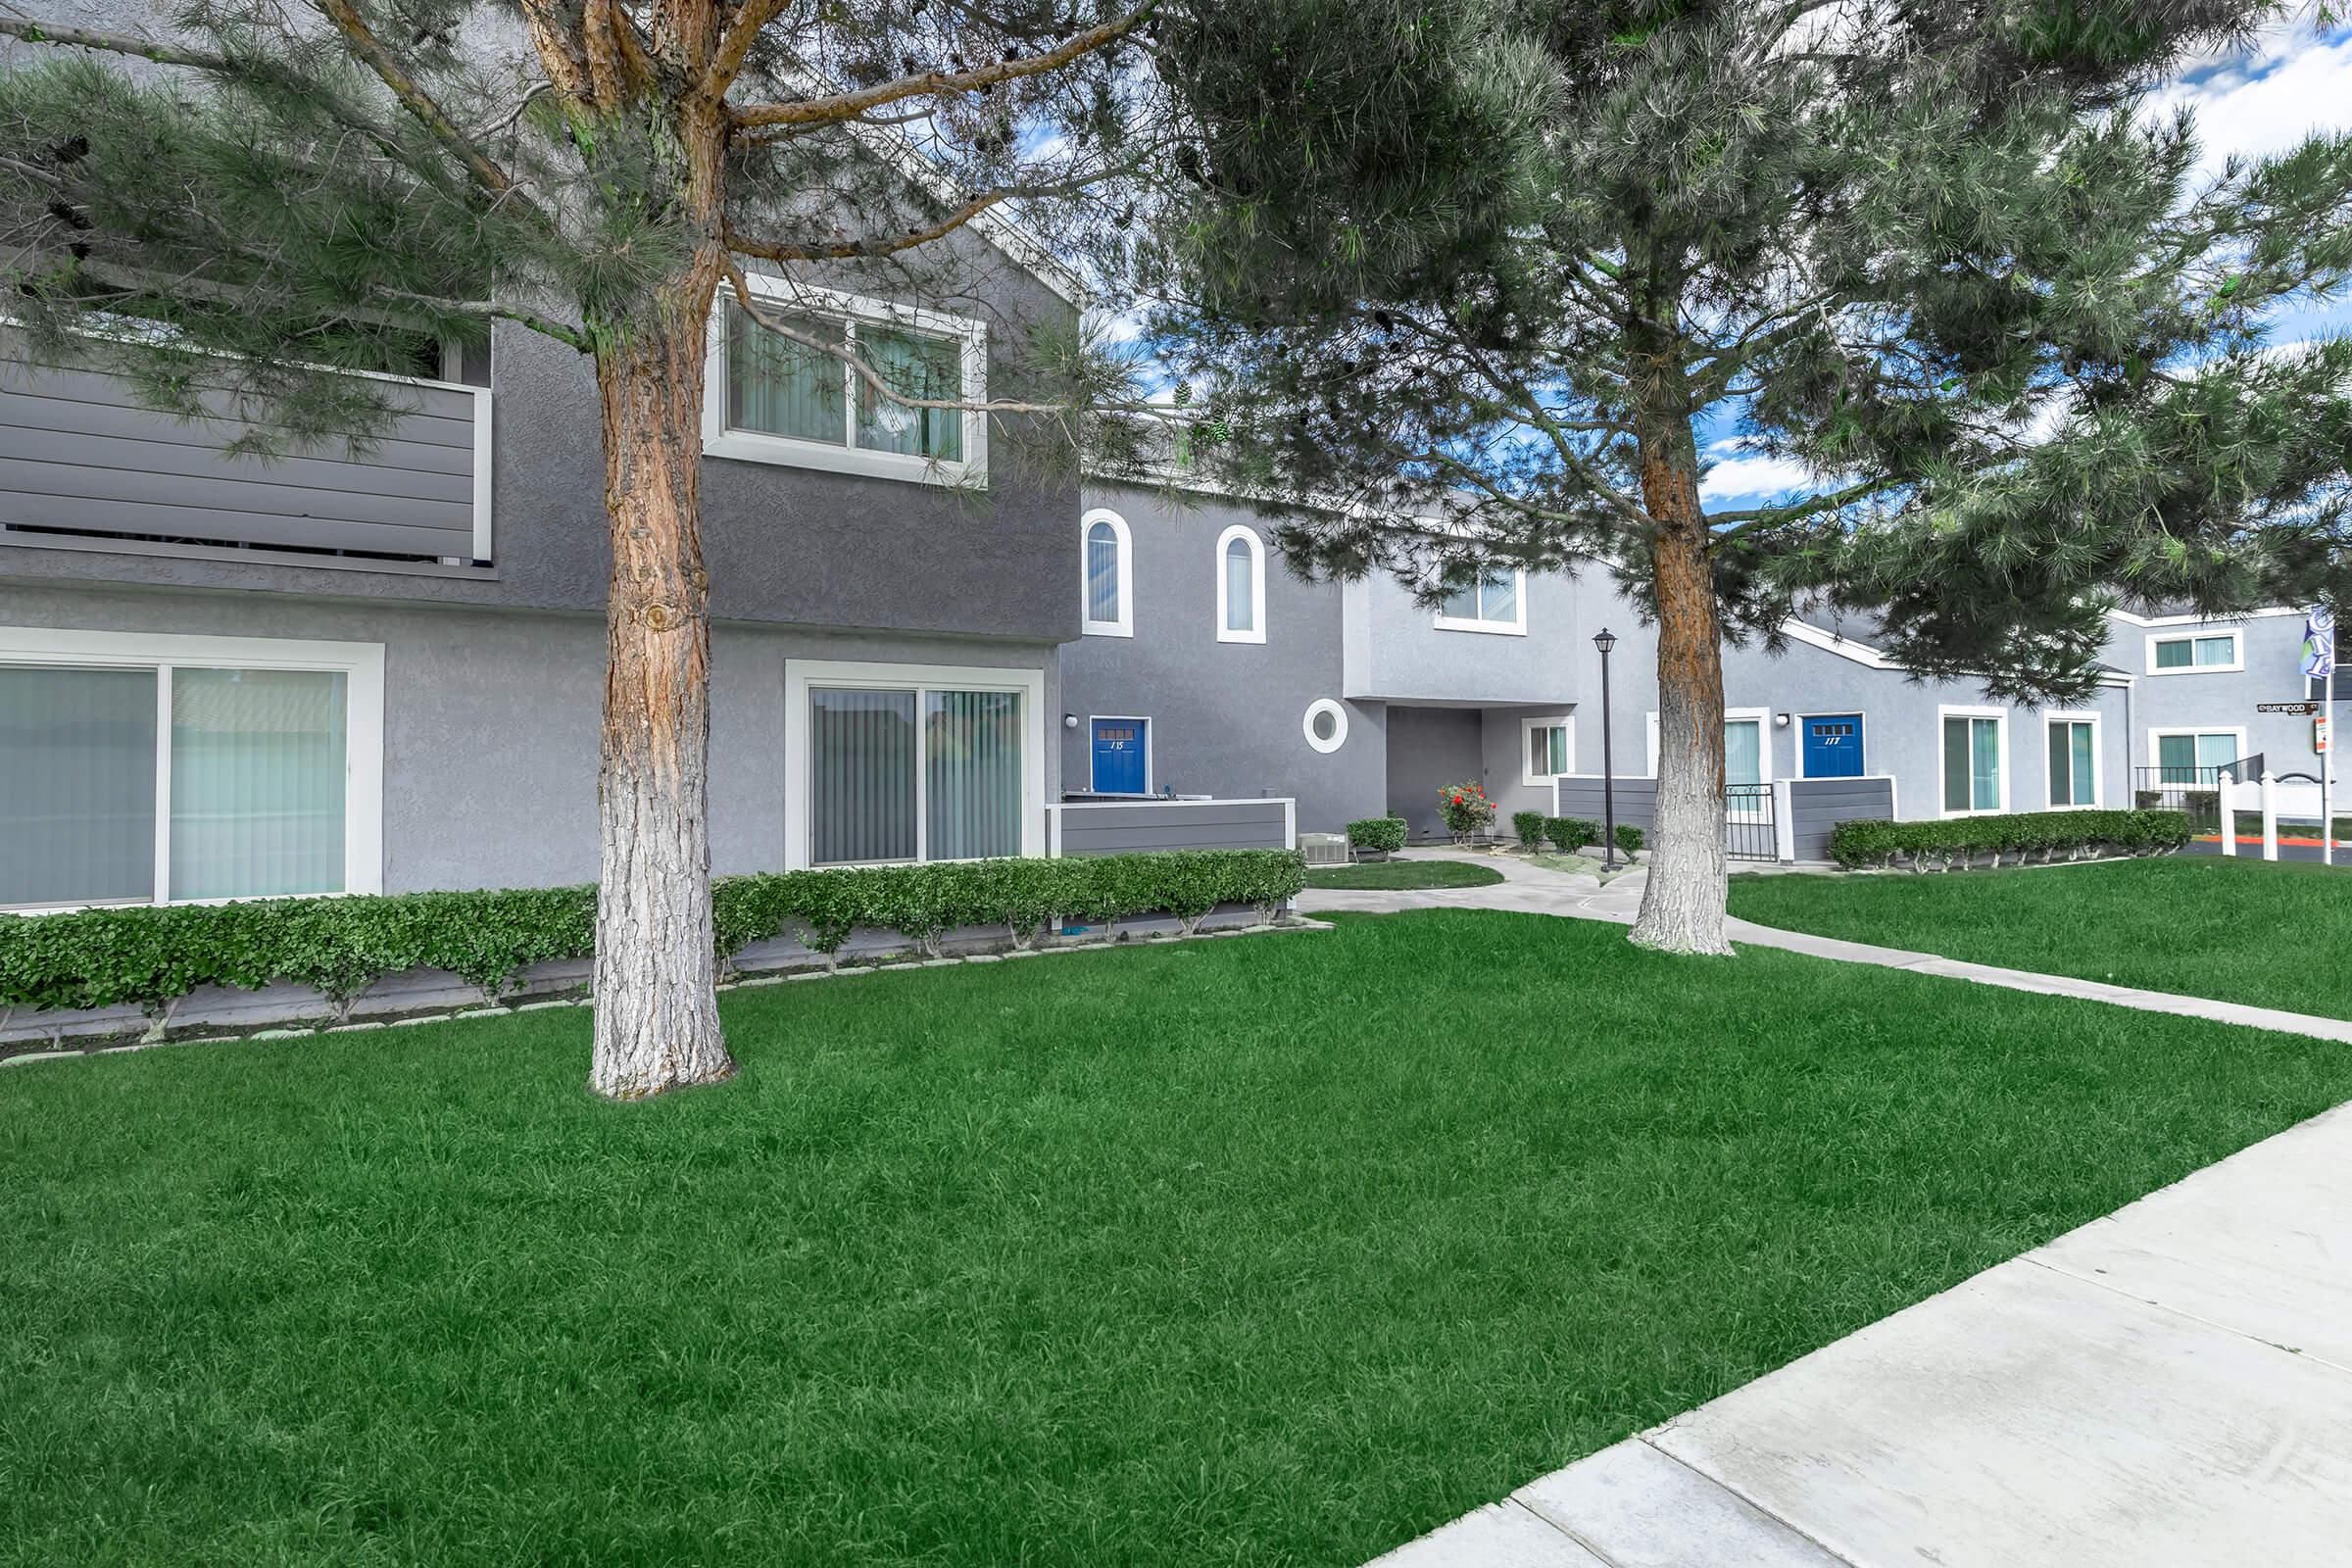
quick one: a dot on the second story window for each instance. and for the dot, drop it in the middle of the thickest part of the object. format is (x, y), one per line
(797, 398)
(1241, 586)
(1107, 575)
(1495, 602)
(2209, 651)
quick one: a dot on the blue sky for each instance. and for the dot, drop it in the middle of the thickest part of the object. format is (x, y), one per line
(2254, 103)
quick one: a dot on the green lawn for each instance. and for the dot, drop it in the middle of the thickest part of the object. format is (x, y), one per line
(1393, 874)
(2269, 933)
(1271, 1250)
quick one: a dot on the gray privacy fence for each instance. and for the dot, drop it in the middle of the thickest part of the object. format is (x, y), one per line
(1125, 828)
(1801, 812)
(1812, 806)
(1637, 799)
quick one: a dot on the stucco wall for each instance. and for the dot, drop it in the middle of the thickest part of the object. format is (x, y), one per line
(1227, 718)
(1430, 748)
(1397, 652)
(491, 720)
(2208, 699)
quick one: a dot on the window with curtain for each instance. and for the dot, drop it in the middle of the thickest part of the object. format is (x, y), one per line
(1547, 750)
(1241, 586)
(1742, 751)
(77, 785)
(862, 775)
(2187, 758)
(915, 366)
(1494, 600)
(972, 774)
(2196, 652)
(778, 386)
(2074, 770)
(1972, 764)
(1103, 575)
(914, 774)
(257, 782)
(257, 765)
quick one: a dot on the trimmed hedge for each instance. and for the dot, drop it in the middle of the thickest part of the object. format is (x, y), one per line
(1385, 834)
(1529, 826)
(1569, 834)
(1629, 838)
(1958, 842)
(150, 957)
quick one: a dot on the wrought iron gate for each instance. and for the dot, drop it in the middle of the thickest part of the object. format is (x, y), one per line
(1750, 831)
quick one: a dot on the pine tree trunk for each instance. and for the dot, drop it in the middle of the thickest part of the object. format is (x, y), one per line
(1683, 904)
(657, 1004)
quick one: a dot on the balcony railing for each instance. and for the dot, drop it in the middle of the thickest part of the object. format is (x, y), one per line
(83, 466)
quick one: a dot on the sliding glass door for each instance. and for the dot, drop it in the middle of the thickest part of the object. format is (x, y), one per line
(935, 765)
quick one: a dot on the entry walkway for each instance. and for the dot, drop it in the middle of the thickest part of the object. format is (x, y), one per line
(2169, 1386)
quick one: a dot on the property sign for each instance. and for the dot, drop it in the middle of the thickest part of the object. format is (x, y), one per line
(2305, 708)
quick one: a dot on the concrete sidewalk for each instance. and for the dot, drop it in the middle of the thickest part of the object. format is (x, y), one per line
(2169, 1386)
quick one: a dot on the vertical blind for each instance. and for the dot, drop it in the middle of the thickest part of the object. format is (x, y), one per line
(861, 764)
(972, 774)
(776, 386)
(1548, 749)
(257, 782)
(1102, 572)
(1241, 588)
(2071, 776)
(77, 785)
(1972, 765)
(919, 368)
(1743, 751)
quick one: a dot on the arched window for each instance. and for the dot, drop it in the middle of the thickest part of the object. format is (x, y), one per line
(1241, 586)
(1106, 574)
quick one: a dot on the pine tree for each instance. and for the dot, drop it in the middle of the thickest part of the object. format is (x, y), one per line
(1481, 281)
(277, 194)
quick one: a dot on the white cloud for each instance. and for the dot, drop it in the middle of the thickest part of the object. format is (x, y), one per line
(1740, 477)
(2263, 101)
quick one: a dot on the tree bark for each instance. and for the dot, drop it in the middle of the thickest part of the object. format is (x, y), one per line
(1683, 902)
(657, 1004)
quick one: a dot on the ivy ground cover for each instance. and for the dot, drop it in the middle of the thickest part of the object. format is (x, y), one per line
(1278, 1249)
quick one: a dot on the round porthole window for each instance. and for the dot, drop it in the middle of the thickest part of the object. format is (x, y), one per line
(1326, 724)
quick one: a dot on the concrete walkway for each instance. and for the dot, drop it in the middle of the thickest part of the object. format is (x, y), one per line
(1538, 889)
(2167, 1387)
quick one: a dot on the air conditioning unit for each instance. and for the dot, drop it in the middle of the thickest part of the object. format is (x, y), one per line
(1324, 849)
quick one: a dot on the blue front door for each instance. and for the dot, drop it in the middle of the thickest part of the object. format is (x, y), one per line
(1833, 745)
(1120, 756)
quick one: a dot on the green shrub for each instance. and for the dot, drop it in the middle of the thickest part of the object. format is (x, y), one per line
(1529, 826)
(1629, 838)
(151, 958)
(1384, 835)
(1569, 834)
(1958, 842)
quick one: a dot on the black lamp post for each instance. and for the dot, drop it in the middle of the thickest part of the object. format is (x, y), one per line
(1604, 640)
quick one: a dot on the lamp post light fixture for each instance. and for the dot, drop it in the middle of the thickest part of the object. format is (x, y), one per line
(1604, 640)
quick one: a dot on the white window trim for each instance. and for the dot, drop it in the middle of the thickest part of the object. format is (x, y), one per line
(1339, 736)
(1861, 717)
(1514, 627)
(1527, 734)
(2191, 635)
(360, 664)
(2155, 757)
(2098, 757)
(1257, 586)
(801, 674)
(1124, 625)
(750, 445)
(2003, 805)
(1150, 772)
